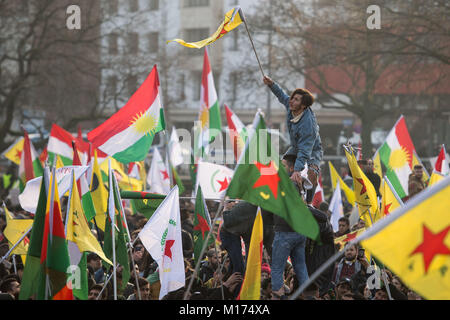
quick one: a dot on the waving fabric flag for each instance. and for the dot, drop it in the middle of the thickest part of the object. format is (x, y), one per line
(15, 228)
(238, 132)
(336, 208)
(441, 164)
(414, 242)
(33, 279)
(335, 177)
(54, 254)
(261, 180)
(209, 115)
(390, 201)
(233, 18)
(14, 152)
(120, 231)
(161, 236)
(158, 175)
(202, 224)
(128, 134)
(365, 194)
(319, 197)
(30, 167)
(251, 287)
(396, 153)
(175, 150)
(80, 241)
(213, 179)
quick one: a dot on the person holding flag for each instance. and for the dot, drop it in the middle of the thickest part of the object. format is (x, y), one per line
(303, 129)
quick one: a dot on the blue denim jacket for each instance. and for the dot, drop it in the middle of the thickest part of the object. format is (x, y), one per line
(304, 135)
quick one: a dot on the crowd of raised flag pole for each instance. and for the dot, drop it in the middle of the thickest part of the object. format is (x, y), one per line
(80, 170)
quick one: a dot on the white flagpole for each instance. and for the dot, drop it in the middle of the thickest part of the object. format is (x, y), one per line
(112, 216)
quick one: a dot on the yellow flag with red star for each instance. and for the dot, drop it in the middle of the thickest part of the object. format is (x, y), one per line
(414, 242)
(14, 152)
(389, 198)
(365, 194)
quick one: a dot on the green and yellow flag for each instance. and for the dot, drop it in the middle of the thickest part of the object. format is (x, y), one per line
(99, 194)
(414, 242)
(260, 179)
(233, 18)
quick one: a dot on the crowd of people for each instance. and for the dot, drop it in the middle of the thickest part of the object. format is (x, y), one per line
(289, 258)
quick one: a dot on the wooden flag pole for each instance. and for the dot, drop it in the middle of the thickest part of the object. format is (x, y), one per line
(253, 46)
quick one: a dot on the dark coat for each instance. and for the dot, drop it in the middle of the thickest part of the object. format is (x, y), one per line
(317, 254)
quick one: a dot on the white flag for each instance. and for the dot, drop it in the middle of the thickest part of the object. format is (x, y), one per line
(175, 150)
(28, 199)
(336, 207)
(161, 236)
(158, 176)
(213, 179)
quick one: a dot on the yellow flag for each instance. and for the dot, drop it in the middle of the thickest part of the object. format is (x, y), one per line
(389, 198)
(365, 194)
(349, 194)
(126, 183)
(251, 287)
(77, 227)
(59, 163)
(377, 164)
(233, 18)
(435, 178)
(14, 152)
(99, 194)
(15, 228)
(414, 242)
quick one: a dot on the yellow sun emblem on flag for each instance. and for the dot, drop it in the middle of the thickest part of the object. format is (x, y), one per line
(204, 116)
(398, 158)
(144, 123)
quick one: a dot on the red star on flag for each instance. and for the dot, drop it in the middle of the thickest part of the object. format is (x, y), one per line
(202, 225)
(350, 236)
(18, 154)
(386, 208)
(165, 174)
(363, 189)
(168, 248)
(432, 245)
(223, 184)
(269, 177)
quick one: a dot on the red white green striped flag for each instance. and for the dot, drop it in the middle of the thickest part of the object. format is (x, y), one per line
(128, 134)
(209, 116)
(238, 132)
(30, 167)
(396, 153)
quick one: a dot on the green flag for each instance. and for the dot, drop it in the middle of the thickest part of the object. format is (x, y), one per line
(261, 180)
(33, 278)
(120, 235)
(202, 225)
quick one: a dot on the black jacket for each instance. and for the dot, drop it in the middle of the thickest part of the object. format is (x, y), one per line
(316, 254)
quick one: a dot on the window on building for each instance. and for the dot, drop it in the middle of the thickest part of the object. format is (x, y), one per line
(153, 4)
(197, 82)
(193, 35)
(153, 42)
(134, 5)
(196, 3)
(111, 86)
(132, 43)
(181, 86)
(234, 85)
(131, 85)
(112, 43)
(113, 6)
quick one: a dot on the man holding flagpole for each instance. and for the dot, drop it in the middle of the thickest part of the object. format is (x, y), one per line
(303, 130)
